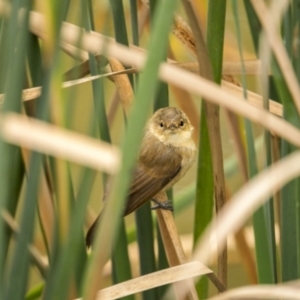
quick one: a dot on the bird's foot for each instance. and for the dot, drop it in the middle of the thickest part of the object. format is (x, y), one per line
(167, 205)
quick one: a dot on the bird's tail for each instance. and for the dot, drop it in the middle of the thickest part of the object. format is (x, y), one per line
(89, 238)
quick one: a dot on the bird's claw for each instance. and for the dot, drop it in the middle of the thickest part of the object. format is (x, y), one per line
(167, 205)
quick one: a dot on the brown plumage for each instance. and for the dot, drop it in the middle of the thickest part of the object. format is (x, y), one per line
(167, 152)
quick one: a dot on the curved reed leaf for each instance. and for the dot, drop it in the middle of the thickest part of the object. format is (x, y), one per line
(243, 204)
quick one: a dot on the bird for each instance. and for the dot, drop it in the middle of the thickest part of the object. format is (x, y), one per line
(167, 152)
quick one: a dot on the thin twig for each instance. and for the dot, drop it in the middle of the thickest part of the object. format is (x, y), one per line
(172, 244)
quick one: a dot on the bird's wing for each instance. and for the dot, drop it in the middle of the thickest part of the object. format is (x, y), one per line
(150, 178)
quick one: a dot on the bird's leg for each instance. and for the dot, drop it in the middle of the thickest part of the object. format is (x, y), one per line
(167, 205)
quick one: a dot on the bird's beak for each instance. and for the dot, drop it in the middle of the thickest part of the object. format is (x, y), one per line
(172, 127)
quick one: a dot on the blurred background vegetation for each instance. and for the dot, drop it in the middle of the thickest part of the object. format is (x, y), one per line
(49, 203)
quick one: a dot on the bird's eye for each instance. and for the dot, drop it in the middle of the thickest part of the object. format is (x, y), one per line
(181, 123)
(161, 124)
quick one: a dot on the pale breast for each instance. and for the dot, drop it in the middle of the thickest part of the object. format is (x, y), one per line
(188, 155)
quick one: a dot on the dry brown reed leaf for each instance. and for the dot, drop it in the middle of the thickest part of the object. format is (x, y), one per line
(123, 84)
(183, 32)
(267, 21)
(260, 292)
(37, 135)
(159, 278)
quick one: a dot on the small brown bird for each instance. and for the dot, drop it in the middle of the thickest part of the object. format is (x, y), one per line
(167, 152)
